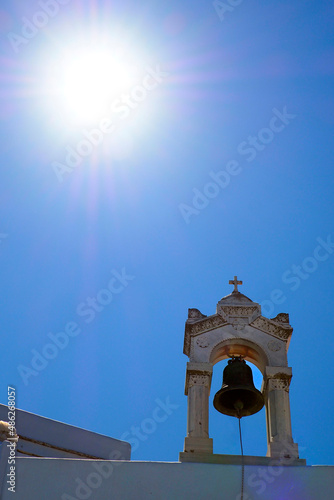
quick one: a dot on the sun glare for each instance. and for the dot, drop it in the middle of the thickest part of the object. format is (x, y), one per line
(89, 81)
(84, 79)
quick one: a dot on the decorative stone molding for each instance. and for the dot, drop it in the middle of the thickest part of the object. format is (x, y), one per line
(207, 324)
(195, 314)
(203, 325)
(231, 312)
(198, 380)
(198, 374)
(277, 378)
(202, 341)
(268, 326)
(278, 384)
(274, 345)
(237, 310)
(281, 318)
(239, 323)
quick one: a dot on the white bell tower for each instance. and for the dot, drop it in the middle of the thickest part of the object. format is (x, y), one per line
(238, 329)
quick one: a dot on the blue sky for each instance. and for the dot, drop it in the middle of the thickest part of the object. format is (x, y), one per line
(245, 96)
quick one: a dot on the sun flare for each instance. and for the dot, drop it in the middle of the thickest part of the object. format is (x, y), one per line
(87, 79)
(91, 79)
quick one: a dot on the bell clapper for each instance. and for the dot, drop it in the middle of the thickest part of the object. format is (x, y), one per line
(238, 405)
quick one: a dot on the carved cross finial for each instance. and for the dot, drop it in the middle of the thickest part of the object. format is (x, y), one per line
(235, 282)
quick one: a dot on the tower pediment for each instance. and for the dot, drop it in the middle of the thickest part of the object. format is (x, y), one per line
(238, 311)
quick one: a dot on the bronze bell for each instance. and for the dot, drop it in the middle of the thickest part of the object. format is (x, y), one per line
(238, 396)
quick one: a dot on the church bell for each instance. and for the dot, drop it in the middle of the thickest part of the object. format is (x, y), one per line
(238, 396)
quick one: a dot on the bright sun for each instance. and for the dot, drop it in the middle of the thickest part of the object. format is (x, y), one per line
(90, 78)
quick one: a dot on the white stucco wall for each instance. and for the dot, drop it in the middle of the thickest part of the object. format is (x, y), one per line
(68, 479)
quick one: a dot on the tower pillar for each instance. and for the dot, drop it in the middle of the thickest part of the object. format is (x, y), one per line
(197, 388)
(279, 433)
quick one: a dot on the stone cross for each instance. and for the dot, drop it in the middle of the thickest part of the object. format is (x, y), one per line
(235, 282)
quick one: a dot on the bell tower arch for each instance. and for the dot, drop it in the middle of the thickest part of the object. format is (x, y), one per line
(238, 329)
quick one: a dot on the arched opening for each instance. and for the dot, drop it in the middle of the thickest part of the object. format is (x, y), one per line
(223, 428)
(240, 347)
